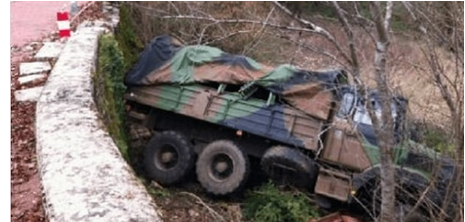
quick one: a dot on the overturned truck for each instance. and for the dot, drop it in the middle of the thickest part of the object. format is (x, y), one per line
(212, 111)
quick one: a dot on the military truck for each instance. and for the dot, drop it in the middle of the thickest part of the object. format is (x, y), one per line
(212, 111)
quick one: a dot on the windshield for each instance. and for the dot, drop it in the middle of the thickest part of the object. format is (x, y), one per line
(353, 107)
(347, 105)
(362, 115)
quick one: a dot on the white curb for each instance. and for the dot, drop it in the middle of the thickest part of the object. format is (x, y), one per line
(83, 175)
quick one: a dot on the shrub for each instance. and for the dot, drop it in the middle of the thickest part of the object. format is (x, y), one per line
(109, 90)
(269, 204)
(431, 135)
(438, 140)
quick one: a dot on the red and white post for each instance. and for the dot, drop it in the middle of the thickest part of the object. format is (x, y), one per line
(63, 24)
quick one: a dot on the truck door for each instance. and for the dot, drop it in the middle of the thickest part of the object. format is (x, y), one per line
(343, 144)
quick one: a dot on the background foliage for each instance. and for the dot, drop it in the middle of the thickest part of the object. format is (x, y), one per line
(109, 89)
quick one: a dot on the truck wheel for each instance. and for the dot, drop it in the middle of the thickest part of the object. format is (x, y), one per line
(168, 157)
(370, 198)
(405, 214)
(290, 166)
(222, 168)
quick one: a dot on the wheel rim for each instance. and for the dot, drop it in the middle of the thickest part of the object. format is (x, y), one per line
(221, 168)
(166, 158)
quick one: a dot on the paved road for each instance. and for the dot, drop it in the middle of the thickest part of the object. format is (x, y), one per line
(30, 21)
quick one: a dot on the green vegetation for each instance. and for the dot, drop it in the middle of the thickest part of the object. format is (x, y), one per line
(109, 90)
(128, 41)
(431, 135)
(158, 192)
(437, 139)
(269, 204)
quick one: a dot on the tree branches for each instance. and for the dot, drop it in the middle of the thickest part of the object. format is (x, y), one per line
(318, 30)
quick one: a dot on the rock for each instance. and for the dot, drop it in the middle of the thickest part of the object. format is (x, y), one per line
(156, 185)
(50, 50)
(33, 44)
(28, 48)
(31, 78)
(28, 68)
(100, 23)
(193, 213)
(115, 21)
(15, 48)
(31, 94)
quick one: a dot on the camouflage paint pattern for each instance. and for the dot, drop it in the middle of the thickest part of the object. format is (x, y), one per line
(277, 121)
(185, 65)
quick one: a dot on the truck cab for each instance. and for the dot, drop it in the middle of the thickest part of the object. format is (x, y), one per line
(350, 144)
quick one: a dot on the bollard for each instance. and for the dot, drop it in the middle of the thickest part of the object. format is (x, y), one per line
(63, 24)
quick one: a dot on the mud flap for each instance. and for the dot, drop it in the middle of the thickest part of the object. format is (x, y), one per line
(333, 184)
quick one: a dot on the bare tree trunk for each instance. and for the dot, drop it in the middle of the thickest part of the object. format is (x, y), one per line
(385, 129)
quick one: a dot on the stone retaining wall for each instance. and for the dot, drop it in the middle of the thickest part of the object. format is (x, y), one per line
(83, 175)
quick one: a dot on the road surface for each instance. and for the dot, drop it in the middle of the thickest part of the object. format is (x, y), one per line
(30, 21)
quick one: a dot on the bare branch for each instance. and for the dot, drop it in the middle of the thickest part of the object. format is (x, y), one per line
(174, 6)
(387, 18)
(360, 16)
(232, 21)
(316, 29)
(316, 50)
(228, 36)
(215, 214)
(304, 22)
(259, 32)
(199, 41)
(408, 6)
(350, 36)
(425, 18)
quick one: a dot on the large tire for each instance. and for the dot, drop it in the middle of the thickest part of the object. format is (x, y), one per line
(222, 168)
(290, 166)
(168, 157)
(370, 197)
(406, 214)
